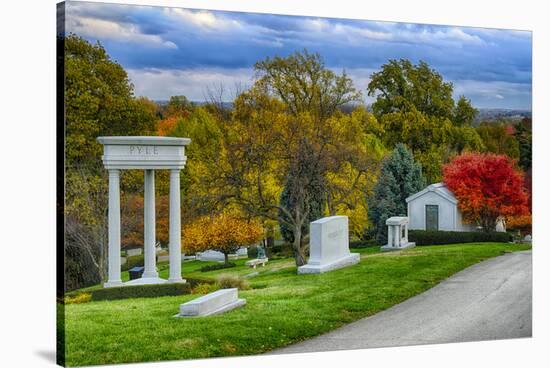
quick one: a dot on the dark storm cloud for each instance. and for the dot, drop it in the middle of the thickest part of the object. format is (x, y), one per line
(166, 40)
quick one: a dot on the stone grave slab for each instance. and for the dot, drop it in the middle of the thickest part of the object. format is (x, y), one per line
(217, 302)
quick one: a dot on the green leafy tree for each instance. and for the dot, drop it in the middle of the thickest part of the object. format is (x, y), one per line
(499, 138)
(524, 136)
(305, 85)
(401, 85)
(400, 177)
(415, 106)
(178, 106)
(288, 120)
(464, 112)
(98, 101)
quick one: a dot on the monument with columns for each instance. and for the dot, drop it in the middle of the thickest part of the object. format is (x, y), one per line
(148, 154)
(398, 234)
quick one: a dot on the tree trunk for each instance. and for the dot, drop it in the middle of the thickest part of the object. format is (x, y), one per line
(489, 224)
(226, 258)
(299, 254)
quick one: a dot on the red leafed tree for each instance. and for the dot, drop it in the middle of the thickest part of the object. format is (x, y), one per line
(487, 186)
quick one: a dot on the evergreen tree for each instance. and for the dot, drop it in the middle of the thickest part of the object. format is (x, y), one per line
(400, 177)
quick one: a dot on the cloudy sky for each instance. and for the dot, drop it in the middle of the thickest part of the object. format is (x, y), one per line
(176, 51)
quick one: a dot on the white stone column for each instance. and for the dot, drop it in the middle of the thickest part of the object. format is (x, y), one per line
(397, 233)
(406, 232)
(390, 235)
(175, 227)
(149, 225)
(400, 235)
(114, 229)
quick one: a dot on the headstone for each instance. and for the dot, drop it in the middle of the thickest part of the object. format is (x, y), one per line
(210, 255)
(329, 246)
(214, 255)
(217, 302)
(528, 238)
(135, 272)
(130, 252)
(398, 234)
(242, 251)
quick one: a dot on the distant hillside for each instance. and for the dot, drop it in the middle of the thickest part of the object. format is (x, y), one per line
(488, 115)
(501, 114)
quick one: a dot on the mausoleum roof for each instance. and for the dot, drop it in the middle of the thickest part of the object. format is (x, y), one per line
(439, 189)
(397, 220)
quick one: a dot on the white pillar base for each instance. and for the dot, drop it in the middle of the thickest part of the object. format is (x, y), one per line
(146, 281)
(150, 275)
(116, 283)
(180, 280)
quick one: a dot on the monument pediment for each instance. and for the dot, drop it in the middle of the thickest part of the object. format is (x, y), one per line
(144, 152)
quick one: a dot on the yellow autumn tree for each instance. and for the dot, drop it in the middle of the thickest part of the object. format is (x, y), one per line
(225, 233)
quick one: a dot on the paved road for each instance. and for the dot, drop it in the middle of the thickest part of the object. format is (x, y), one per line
(490, 300)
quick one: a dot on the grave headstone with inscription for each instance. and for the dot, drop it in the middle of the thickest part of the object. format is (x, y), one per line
(329, 246)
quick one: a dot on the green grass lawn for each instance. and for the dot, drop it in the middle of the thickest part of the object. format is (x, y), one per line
(282, 307)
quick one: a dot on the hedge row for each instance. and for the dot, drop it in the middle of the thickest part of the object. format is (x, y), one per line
(218, 266)
(432, 237)
(147, 291)
(354, 244)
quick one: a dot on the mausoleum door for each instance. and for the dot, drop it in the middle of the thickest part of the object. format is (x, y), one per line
(432, 217)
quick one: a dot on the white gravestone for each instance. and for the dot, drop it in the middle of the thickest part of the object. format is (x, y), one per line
(398, 234)
(210, 255)
(329, 246)
(217, 302)
(214, 255)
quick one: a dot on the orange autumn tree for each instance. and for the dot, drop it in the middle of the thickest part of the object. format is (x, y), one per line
(522, 223)
(225, 233)
(487, 186)
(132, 220)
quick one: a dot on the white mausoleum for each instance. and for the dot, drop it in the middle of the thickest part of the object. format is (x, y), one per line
(435, 208)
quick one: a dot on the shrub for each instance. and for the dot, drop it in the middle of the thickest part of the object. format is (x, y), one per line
(78, 298)
(205, 288)
(362, 243)
(233, 281)
(252, 252)
(284, 249)
(141, 291)
(432, 237)
(219, 266)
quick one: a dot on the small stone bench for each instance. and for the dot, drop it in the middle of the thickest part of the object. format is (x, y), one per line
(217, 302)
(258, 261)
